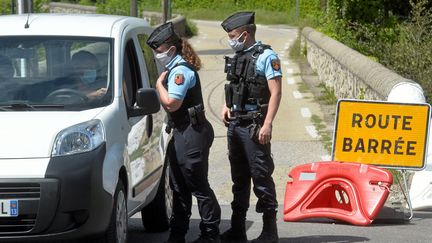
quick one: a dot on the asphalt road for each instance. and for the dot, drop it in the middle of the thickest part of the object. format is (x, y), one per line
(295, 141)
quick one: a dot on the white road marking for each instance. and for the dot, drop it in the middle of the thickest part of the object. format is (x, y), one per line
(312, 131)
(290, 81)
(286, 62)
(290, 71)
(305, 112)
(297, 95)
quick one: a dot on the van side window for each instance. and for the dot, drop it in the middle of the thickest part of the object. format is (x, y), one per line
(131, 75)
(149, 60)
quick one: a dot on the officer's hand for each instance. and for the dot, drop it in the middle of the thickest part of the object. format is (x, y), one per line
(265, 132)
(225, 115)
(161, 78)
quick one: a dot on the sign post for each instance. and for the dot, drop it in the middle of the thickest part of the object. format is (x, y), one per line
(391, 135)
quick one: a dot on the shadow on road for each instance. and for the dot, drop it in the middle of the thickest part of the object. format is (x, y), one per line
(138, 234)
(324, 238)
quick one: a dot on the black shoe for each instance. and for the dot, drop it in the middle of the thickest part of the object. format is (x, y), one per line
(266, 237)
(173, 239)
(233, 235)
(207, 239)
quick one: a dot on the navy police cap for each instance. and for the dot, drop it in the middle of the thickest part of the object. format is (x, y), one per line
(237, 20)
(161, 34)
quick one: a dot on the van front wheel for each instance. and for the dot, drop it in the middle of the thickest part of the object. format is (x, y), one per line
(156, 215)
(117, 229)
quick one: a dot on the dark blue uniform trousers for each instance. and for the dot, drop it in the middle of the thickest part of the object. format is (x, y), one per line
(250, 161)
(189, 176)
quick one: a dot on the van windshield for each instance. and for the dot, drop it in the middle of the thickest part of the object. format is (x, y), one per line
(55, 73)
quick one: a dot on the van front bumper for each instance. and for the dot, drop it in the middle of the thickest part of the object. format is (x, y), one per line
(69, 202)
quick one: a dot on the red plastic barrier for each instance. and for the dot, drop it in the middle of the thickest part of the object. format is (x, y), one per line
(350, 192)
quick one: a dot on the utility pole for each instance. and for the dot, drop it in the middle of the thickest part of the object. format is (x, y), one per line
(25, 6)
(133, 8)
(297, 9)
(166, 10)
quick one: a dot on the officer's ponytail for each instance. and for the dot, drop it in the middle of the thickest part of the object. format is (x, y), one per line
(188, 53)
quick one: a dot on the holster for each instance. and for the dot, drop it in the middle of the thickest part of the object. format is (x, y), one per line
(197, 115)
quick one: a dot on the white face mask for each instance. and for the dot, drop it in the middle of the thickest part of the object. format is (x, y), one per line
(236, 45)
(163, 58)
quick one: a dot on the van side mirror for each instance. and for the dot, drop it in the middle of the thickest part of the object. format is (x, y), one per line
(147, 101)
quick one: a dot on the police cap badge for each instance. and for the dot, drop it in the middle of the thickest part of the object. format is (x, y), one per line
(237, 20)
(161, 34)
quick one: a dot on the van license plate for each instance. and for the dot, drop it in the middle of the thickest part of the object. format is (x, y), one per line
(8, 208)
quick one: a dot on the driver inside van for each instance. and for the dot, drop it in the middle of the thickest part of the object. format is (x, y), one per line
(85, 67)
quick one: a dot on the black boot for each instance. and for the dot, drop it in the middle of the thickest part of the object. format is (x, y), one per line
(207, 239)
(175, 239)
(237, 232)
(269, 232)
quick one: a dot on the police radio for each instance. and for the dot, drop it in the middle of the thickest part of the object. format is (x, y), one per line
(230, 68)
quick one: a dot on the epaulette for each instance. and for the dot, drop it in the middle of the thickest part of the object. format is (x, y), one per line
(261, 48)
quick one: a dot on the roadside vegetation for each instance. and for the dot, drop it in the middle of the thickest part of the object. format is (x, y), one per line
(395, 33)
(325, 136)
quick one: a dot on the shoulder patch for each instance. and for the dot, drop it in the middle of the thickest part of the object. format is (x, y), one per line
(275, 63)
(179, 79)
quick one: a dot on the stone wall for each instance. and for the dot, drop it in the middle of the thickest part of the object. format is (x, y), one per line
(346, 71)
(70, 8)
(152, 17)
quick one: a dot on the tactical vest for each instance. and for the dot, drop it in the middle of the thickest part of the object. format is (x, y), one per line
(192, 98)
(246, 87)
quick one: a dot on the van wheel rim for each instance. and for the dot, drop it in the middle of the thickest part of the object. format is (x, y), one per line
(121, 218)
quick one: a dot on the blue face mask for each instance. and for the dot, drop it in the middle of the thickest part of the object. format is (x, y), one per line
(89, 76)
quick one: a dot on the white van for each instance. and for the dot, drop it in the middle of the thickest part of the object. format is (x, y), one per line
(82, 145)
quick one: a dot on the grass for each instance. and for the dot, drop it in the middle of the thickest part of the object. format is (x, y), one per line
(191, 28)
(221, 13)
(302, 87)
(295, 52)
(324, 134)
(327, 95)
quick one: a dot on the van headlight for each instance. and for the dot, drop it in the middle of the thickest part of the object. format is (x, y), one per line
(79, 138)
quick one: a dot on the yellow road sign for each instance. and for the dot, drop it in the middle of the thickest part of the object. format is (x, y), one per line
(392, 135)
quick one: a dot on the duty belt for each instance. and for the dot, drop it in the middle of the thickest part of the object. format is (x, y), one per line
(244, 116)
(195, 116)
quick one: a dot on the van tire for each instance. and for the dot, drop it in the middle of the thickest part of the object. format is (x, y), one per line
(157, 214)
(117, 231)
